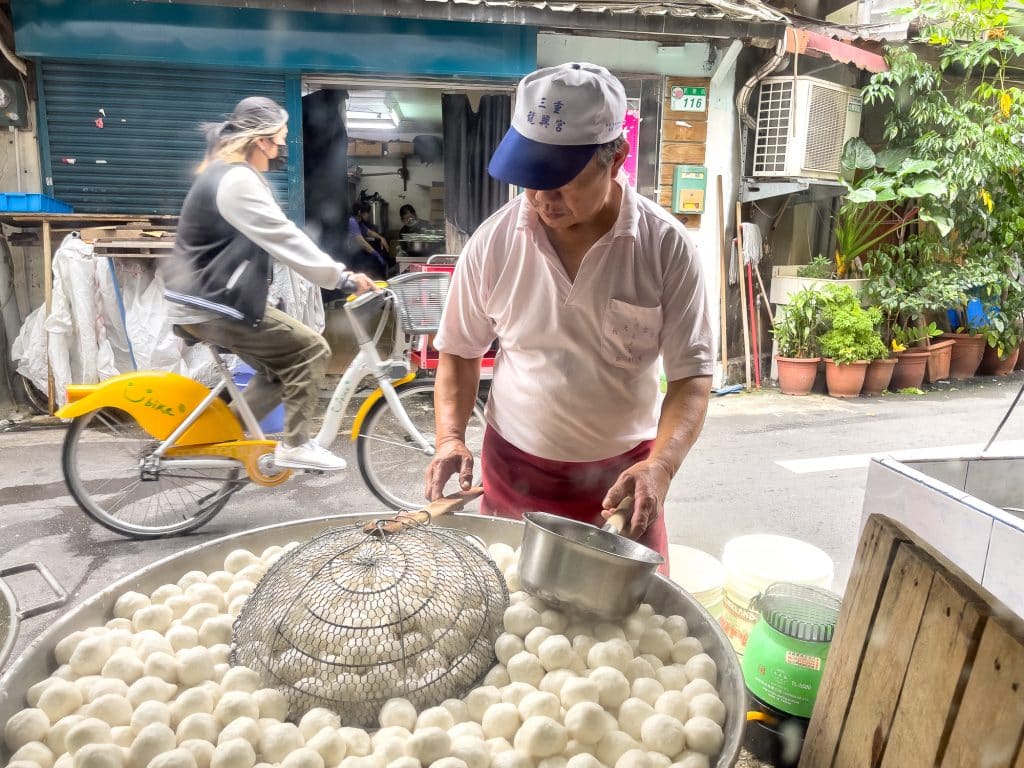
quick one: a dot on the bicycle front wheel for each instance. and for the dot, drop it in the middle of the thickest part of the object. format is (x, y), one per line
(105, 467)
(392, 464)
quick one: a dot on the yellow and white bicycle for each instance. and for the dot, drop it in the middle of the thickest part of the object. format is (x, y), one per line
(153, 453)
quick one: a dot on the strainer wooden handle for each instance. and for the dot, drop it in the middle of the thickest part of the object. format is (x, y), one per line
(617, 522)
(437, 508)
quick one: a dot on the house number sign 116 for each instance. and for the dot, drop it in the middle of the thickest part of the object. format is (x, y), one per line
(689, 99)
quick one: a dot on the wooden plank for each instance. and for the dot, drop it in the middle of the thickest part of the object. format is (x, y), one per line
(693, 82)
(990, 721)
(947, 638)
(679, 129)
(886, 656)
(688, 153)
(875, 552)
(154, 243)
(689, 220)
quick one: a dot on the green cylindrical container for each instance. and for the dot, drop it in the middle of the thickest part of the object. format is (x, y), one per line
(788, 646)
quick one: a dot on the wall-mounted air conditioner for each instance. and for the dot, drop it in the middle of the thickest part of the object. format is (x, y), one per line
(802, 125)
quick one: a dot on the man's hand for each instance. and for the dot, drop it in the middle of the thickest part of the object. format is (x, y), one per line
(647, 481)
(362, 283)
(452, 457)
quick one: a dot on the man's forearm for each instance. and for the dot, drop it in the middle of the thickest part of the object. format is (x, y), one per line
(681, 420)
(456, 386)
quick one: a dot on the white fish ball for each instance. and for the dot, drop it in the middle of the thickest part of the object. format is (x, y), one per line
(497, 676)
(401, 762)
(632, 715)
(708, 705)
(635, 758)
(605, 631)
(278, 740)
(150, 688)
(194, 665)
(66, 647)
(176, 758)
(155, 617)
(685, 649)
(614, 745)
(35, 753)
(664, 734)
(479, 699)
(555, 652)
(657, 641)
(676, 626)
(466, 730)
(428, 745)
(612, 687)
(128, 603)
(329, 744)
(502, 554)
(197, 614)
(162, 665)
(693, 689)
(611, 653)
(357, 741)
(90, 655)
(216, 630)
(317, 718)
(457, 708)
(149, 712)
(673, 703)
(221, 579)
(673, 677)
(206, 594)
(638, 667)
(150, 641)
(520, 618)
(398, 712)
(508, 645)
(59, 699)
(304, 757)
(704, 735)
(111, 708)
(540, 704)
(124, 665)
(234, 704)
(165, 591)
(473, 752)
(553, 681)
(237, 753)
(511, 758)
(501, 721)
(583, 760)
(99, 756)
(56, 739)
(91, 730)
(238, 559)
(450, 762)
(701, 666)
(179, 605)
(153, 740)
(587, 722)
(181, 637)
(541, 736)
(242, 728)
(512, 578)
(435, 717)
(201, 750)
(535, 637)
(524, 667)
(578, 689)
(199, 726)
(271, 703)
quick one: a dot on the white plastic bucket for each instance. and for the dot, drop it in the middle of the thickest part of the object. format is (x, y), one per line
(700, 574)
(752, 563)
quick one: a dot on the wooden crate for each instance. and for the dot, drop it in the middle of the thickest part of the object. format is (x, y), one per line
(926, 668)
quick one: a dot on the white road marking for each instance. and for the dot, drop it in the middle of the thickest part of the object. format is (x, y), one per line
(860, 460)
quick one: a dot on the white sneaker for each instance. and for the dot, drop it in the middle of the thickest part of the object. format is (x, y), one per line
(312, 455)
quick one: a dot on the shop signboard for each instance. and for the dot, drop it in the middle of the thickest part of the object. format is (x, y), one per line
(631, 128)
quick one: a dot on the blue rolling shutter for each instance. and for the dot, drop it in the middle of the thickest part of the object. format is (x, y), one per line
(144, 157)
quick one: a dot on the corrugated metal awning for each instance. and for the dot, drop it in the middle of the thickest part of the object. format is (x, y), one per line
(746, 10)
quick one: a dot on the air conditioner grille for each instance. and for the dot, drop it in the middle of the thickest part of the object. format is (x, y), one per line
(774, 113)
(827, 111)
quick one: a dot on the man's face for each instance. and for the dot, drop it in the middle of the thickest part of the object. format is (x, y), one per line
(408, 219)
(579, 201)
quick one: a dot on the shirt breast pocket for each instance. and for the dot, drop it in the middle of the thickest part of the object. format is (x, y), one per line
(631, 334)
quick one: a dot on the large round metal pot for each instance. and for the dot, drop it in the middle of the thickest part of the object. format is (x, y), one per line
(575, 565)
(665, 596)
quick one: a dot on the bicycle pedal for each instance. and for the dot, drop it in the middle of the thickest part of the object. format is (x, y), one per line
(313, 471)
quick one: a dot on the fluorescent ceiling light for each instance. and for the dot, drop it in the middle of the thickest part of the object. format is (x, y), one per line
(372, 115)
(370, 125)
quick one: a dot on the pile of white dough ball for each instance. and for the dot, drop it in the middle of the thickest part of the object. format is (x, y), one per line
(153, 687)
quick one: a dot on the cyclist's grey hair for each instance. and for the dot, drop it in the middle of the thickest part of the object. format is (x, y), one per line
(255, 117)
(606, 152)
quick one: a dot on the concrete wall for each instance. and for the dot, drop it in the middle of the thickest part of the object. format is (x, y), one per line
(690, 60)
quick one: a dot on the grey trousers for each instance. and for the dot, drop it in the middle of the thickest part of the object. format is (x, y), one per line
(290, 360)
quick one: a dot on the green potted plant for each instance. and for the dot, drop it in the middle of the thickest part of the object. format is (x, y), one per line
(796, 332)
(849, 342)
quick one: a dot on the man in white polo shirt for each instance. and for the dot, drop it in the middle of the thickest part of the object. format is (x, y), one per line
(585, 285)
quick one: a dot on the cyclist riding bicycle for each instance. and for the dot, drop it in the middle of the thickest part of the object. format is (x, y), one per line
(218, 276)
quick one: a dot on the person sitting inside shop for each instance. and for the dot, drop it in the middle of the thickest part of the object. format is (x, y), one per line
(363, 240)
(411, 224)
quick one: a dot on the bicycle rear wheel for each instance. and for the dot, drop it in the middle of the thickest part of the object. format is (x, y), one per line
(102, 462)
(391, 463)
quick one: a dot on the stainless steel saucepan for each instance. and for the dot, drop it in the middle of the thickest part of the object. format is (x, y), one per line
(583, 567)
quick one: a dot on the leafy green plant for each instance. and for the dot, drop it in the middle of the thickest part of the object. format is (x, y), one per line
(797, 326)
(820, 268)
(850, 333)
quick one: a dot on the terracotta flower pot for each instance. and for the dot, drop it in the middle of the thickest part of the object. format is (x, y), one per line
(845, 380)
(1020, 359)
(797, 374)
(939, 355)
(909, 370)
(991, 365)
(966, 356)
(878, 375)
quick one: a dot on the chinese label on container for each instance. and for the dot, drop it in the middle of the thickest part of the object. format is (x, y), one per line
(685, 99)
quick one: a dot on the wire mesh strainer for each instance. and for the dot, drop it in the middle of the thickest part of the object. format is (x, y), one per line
(365, 613)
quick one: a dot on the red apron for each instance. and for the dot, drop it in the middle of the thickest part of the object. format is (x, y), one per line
(515, 482)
